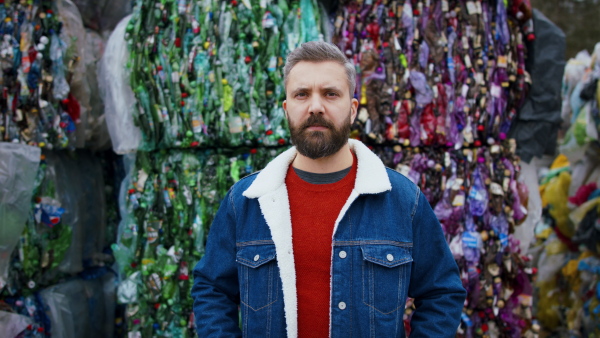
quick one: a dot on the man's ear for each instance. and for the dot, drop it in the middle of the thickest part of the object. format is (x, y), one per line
(354, 110)
(284, 106)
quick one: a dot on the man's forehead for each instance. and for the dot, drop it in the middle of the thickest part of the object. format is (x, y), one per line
(328, 65)
(322, 74)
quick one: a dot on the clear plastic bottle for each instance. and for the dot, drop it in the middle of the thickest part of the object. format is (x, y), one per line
(478, 195)
(60, 87)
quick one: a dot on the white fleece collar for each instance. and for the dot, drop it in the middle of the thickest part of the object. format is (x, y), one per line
(371, 175)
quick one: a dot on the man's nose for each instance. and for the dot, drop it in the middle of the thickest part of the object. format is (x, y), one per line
(316, 105)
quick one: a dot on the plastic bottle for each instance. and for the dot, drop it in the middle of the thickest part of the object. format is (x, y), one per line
(478, 195)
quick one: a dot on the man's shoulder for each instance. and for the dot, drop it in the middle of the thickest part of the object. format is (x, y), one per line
(402, 186)
(399, 180)
(244, 183)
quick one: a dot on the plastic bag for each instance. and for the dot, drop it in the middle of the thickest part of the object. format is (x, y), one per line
(556, 194)
(18, 170)
(12, 324)
(583, 171)
(113, 80)
(67, 309)
(583, 131)
(574, 72)
(586, 219)
(524, 233)
(103, 15)
(81, 308)
(91, 13)
(97, 136)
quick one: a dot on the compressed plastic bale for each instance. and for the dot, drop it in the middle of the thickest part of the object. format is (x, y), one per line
(113, 81)
(18, 169)
(178, 107)
(37, 68)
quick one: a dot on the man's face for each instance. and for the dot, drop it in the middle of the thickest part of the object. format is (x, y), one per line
(319, 108)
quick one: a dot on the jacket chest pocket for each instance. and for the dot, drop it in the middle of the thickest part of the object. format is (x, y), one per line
(258, 276)
(385, 275)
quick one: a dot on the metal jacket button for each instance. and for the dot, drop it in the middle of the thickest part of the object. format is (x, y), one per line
(343, 254)
(342, 305)
(390, 257)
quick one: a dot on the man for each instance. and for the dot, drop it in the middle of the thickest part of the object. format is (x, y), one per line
(325, 241)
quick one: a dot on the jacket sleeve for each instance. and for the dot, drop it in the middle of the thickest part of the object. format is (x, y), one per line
(435, 282)
(215, 291)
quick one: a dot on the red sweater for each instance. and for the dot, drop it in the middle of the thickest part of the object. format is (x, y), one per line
(314, 209)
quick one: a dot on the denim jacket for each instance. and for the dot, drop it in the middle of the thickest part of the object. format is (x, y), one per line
(387, 245)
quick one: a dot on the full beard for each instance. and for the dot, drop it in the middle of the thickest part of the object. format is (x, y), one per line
(317, 144)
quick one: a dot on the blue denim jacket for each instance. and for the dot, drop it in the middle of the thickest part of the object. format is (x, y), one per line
(387, 245)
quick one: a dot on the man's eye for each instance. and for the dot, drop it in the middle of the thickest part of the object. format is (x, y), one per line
(300, 94)
(332, 94)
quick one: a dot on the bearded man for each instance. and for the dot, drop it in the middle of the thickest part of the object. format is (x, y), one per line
(325, 241)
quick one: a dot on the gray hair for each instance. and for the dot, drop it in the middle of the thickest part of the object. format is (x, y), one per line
(319, 51)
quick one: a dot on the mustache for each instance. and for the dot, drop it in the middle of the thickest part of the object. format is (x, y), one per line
(317, 120)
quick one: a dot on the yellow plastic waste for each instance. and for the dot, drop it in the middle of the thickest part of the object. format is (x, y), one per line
(561, 162)
(551, 299)
(578, 214)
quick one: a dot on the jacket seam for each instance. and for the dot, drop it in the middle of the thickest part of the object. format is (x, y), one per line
(384, 313)
(254, 264)
(388, 264)
(414, 210)
(374, 242)
(255, 243)
(232, 203)
(260, 308)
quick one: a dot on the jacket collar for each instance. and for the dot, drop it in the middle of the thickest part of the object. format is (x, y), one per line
(371, 175)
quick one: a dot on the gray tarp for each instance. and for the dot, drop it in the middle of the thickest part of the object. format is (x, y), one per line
(18, 168)
(538, 121)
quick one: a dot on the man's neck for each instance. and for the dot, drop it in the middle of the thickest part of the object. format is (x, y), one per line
(336, 162)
